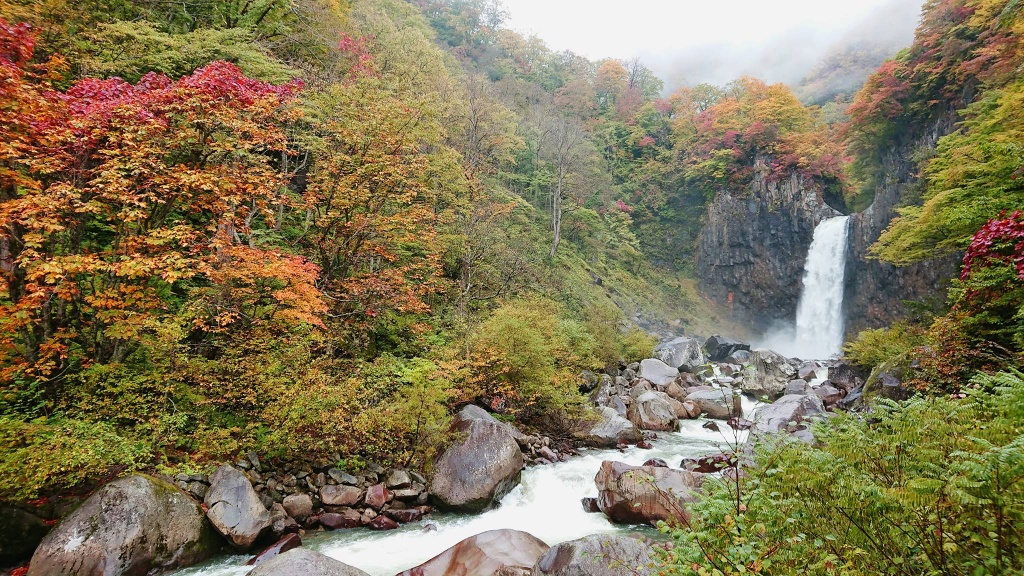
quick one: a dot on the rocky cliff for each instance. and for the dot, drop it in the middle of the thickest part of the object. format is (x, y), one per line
(878, 293)
(752, 248)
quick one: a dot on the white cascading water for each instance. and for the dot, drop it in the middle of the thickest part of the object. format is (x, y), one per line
(819, 315)
(546, 504)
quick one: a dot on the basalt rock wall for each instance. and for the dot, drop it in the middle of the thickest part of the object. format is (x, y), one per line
(752, 248)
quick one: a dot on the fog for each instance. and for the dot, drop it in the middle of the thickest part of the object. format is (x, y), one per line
(689, 41)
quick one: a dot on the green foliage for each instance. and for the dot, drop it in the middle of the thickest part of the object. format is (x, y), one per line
(873, 348)
(56, 453)
(932, 486)
(974, 176)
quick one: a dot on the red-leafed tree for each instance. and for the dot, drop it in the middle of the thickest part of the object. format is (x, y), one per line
(119, 199)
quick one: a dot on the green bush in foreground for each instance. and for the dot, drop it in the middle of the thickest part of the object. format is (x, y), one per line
(933, 486)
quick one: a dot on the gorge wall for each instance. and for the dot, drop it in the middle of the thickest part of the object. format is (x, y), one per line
(878, 293)
(752, 247)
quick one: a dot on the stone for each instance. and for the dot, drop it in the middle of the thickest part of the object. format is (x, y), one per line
(492, 553)
(711, 425)
(474, 412)
(377, 496)
(809, 370)
(681, 352)
(588, 381)
(235, 509)
(786, 414)
(829, 394)
(739, 357)
(482, 465)
(298, 506)
(340, 495)
(619, 405)
(280, 522)
(134, 525)
(289, 542)
(656, 462)
(611, 429)
(657, 372)
(20, 534)
(600, 555)
(305, 562)
(590, 505)
(720, 348)
(709, 464)
(343, 518)
(639, 388)
(342, 477)
(406, 494)
(405, 516)
(645, 494)
(653, 411)
(718, 404)
(676, 391)
(398, 479)
(847, 376)
(768, 374)
(382, 522)
(887, 383)
(798, 387)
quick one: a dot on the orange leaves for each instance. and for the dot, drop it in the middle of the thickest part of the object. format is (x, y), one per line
(116, 195)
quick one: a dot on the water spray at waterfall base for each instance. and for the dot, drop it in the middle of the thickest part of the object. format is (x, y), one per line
(820, 325)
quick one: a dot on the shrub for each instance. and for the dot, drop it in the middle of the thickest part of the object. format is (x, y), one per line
(873, 348)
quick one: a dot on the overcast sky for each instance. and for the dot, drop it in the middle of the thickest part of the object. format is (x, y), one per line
(690, 41)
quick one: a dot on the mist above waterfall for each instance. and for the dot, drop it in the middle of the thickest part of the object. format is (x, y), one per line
(818, 331)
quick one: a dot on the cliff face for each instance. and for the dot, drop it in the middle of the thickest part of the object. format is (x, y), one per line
(752, 248)
(878, 293)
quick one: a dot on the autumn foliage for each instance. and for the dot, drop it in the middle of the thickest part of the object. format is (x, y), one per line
(122, 198)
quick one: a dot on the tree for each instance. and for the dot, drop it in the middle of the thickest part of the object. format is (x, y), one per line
(564, 149)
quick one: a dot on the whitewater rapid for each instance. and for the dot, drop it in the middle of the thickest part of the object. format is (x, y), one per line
(546, 504)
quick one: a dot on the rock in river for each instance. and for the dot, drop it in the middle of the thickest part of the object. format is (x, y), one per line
(482, 465)
(304, 562)
(134, 525)
(600, 555)
(611, 430)
(235, 509)
(487, 554)
(644, 494)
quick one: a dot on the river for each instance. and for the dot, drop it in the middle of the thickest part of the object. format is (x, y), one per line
(546, 504)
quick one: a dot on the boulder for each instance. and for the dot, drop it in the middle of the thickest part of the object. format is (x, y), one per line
(887, 382)
(603, 392)
(590, 505)
(769, 374)
(289, 542)
(280, 522)
(20, 534)
(298, 506)
(377, 496)
(588, 381)
(382, 522)
(492, 553)
(235, 509)
(798, 387)
(398, 479)
(305, 562)
(720, 404)
(809, 370)
(610, 430)
(600, 555)
(719, 348)
(676, 391)
(654, 411)
(829, 394)
(344, 518)
(644, 494)
(482, 465)
(680, 353)
(657, 372)
(739, 357)
(341, 495)
(474, 412)
(134, 525)
(846, 376)
(405, 516)
(786, 414)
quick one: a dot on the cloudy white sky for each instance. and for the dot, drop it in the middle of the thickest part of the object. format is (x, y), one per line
(714, 40)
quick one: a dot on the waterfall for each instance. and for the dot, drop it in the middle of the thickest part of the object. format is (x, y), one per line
(819, 316)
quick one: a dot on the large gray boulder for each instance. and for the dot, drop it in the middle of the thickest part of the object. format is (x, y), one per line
(769, 374)
(786, 414)
(645, 494)
(482, 465)
(487, 554)
(134, 525)
(719, 404)
(610, 430)
(235, 509)
(600, 555)
(681, 353)
(653, 411)
(20, 533)
(657, 372)
(304, 562)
